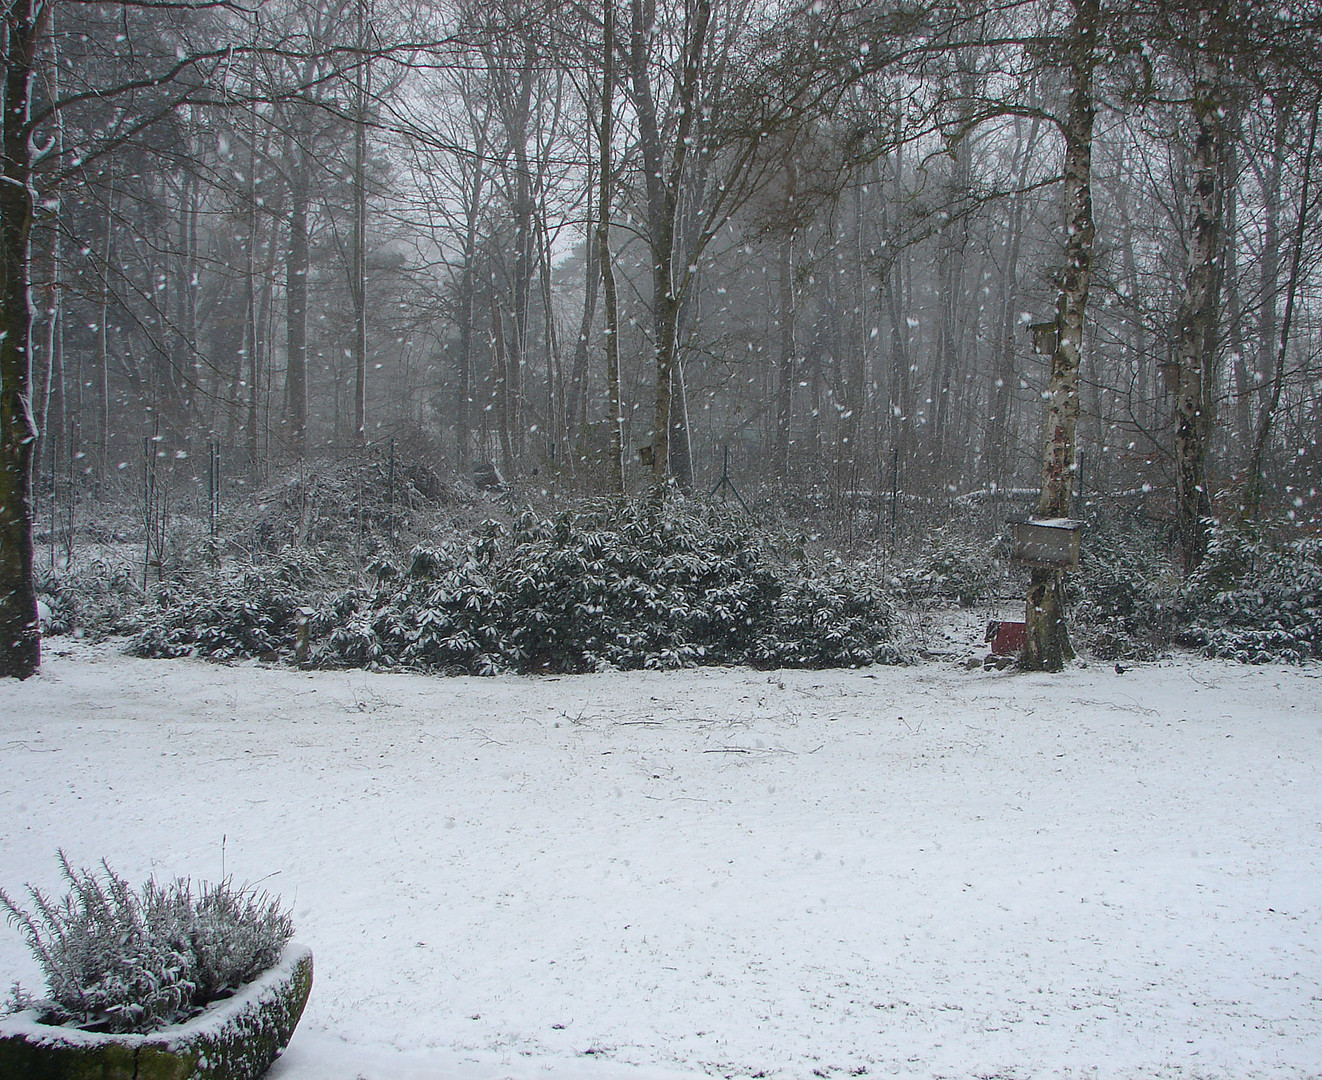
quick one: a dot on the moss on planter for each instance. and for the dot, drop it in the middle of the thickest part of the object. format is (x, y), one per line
(234, 1039)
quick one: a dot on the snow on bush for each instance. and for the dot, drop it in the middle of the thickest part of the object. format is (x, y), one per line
(121, 960)
(1251, 599)
(251, 612)
(1126, 597)
(642, 585)
(1255, 601)
(629, 586)
(98, 597)
(954, 567)
(626, 586)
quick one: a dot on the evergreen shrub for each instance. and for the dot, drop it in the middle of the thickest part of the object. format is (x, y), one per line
(121, 960)
(97, 597)
(1126, 598)
(225, 616)
(1256, 601)
(832, 615)
(953, 567)
(632, 586)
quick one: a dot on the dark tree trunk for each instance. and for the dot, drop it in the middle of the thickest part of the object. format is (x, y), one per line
(1254, 481)
(358, 270)
(577, 392)
(663, 175)
(785, 367)
(605, 181)
(468, 302)
(20, 637)
(464, 391)
(296, 300)
(501, 364)
(1196, 328)
(1269, 262)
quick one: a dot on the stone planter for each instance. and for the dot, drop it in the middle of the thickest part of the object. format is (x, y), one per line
(234, 1039)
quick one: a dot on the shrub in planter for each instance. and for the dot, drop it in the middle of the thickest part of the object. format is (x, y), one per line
(163, 981)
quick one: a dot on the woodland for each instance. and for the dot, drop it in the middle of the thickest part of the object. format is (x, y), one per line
(881, 270)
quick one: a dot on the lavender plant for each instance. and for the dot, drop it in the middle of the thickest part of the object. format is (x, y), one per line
(121, 960)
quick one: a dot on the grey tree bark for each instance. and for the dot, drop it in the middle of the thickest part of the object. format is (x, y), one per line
(297, 265)
(664, 173)
(606, 184)
(1194, 361)
(362, 87)
(1254, 479)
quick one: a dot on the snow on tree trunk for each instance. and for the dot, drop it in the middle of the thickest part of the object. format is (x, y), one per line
(1047, 641)
(20, 638)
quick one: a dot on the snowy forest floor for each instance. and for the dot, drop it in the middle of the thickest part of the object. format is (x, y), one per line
(916, 872)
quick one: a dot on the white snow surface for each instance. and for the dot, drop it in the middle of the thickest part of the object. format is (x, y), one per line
(915, 872)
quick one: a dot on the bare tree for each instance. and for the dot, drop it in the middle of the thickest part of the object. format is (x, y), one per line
(1254, 472)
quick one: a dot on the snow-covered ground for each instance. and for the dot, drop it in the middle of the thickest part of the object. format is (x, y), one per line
(916, 872)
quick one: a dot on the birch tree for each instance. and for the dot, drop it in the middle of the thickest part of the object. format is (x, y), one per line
(1047, 641)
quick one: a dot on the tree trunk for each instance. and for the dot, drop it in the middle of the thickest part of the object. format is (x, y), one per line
(780, 465)
(463, 435)
(552, 426)
(577, 392)
(296, 296)
(899, 394)
(468, 306)
(606, 182)
(103, 342)
(663, 175)
(1139, 393)
(20, 636)
(681, 445)
(1238, 433)
(501, 364)
(358, 285)
(1269, 262)
(666, 314)
(997, 456)
(525, 228)
(46, 368)
(1196, 330)
(1047, 641)
(1254, 480)
(252, 325)
(52, 391)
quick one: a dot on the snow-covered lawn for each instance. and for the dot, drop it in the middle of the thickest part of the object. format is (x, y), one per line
(915, 872)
